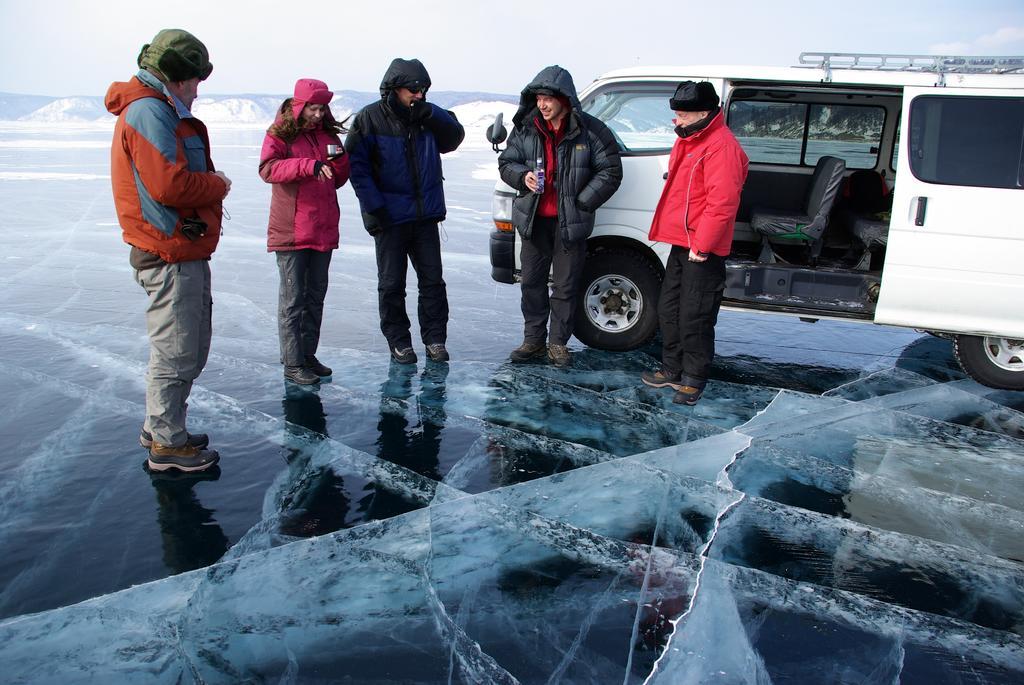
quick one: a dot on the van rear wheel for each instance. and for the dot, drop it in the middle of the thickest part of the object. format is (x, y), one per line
(618, 305)
(992, 361)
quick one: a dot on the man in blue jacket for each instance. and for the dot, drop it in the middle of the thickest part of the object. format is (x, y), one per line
(395, 147)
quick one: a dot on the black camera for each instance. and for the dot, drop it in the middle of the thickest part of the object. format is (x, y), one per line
(193, 228)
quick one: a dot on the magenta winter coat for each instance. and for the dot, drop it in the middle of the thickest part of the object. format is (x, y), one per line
(304, 211)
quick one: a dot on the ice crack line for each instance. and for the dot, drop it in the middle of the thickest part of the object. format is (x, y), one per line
(702, 555)
(645, 585)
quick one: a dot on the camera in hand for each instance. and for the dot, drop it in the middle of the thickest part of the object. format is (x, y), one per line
(335, 151)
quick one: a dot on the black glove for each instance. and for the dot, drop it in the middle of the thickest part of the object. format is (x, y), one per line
(420, 110)
(376, 221)
(317, 166)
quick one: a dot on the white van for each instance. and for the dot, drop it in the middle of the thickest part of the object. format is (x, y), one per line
(915, 163)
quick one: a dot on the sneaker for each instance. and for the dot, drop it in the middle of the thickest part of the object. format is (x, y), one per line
(661, 379)
(300, 375)
(404, 355)
(185, 458)
(314, 365)
(199, 440)
(688, 395)
(559, 355)
(437, 352)
(528, 350)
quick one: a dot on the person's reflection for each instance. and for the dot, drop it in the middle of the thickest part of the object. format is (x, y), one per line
(410, 428)
(320, 505)
(190, 535)
(303, 410)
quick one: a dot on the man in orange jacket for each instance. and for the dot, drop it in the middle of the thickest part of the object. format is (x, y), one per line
(696, 214)
(168, 199)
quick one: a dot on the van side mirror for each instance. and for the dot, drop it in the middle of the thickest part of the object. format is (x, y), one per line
(496, 132)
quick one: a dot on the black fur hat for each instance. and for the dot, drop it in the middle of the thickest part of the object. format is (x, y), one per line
(176, 55)
(692, 96)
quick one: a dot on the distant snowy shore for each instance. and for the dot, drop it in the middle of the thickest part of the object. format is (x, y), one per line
(235, 110)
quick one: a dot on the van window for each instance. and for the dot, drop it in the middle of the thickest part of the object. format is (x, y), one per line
(800, 133)
(850, 132)
(640, 119)
(770, 132)
(967, 141)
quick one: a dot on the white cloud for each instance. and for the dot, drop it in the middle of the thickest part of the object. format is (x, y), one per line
(1004, 37)
(1008, 40)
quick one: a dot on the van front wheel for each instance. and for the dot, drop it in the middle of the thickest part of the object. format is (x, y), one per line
(618, 304)
(992, 361)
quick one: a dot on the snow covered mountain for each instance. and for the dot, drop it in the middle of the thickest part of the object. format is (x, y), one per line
(246, 109)
(68, 109)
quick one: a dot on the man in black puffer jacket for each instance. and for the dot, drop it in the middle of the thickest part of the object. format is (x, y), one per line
(395, 147)
(581, 170)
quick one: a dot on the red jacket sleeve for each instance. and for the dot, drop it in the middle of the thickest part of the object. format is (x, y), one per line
(725, 171)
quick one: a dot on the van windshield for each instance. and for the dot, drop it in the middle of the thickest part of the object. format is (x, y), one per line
(640, 118)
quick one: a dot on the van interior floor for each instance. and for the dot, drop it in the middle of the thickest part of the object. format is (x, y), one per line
(830, 290)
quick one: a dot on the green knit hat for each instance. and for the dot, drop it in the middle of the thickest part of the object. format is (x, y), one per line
(176, 55)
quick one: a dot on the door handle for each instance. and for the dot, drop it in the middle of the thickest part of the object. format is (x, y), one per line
(922, 205)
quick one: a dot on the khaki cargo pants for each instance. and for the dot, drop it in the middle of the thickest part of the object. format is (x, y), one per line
(179, 323)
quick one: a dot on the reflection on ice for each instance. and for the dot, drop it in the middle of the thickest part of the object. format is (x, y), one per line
(592, 573)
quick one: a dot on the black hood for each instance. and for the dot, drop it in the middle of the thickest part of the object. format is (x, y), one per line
(554, 79)
(404, 73)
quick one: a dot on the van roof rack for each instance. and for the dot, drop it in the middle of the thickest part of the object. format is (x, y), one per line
(936, 64)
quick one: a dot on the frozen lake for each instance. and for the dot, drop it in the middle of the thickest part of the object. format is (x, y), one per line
(843, 506)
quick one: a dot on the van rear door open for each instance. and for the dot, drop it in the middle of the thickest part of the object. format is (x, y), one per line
(955, 254)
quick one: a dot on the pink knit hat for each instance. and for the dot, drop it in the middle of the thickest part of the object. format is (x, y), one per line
(311, 91)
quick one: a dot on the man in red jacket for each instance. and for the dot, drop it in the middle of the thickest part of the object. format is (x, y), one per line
(696, 213)
(168, 200)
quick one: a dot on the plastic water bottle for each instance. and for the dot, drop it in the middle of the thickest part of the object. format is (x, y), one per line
(539, 173)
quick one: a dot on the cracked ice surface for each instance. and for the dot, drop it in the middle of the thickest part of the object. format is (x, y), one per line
(842, 510)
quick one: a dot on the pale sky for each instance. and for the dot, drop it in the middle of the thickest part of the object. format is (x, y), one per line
(77, 47)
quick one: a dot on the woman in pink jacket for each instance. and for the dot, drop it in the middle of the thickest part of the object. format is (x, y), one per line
(304, 160)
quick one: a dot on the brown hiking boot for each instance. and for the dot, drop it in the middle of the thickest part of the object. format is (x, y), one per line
(688, 395)
(314, 365)
(185, 458)
(559, 355)
(661, 379)
(300, 375)
(528, 350)
(404, 355)
(437, 352)
(199, 440)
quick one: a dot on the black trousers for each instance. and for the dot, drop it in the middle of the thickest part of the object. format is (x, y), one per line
(691, 296)
(543, 250)
(419, 243)
(300, 302)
